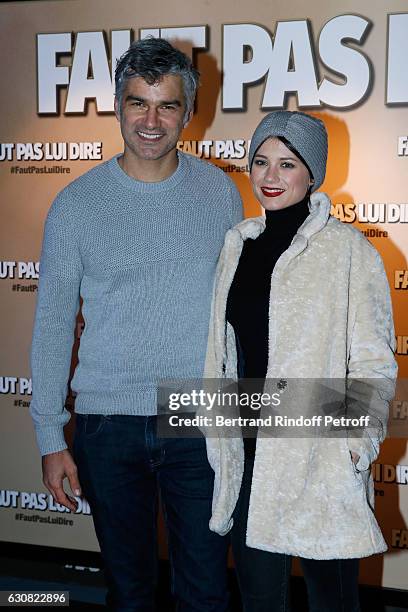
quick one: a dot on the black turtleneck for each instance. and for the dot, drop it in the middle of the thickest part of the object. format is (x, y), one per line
(248, 298)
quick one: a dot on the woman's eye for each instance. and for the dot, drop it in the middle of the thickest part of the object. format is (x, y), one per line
(259, 162)
(287, 165)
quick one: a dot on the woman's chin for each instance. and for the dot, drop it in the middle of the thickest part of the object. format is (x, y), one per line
(275, 204)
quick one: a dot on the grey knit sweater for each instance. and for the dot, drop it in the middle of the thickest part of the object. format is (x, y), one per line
(142, 256)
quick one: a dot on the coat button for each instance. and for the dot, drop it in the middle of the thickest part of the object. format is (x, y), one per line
(282, 384)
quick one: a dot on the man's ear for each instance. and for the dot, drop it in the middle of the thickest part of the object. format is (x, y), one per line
(117, 108)
(188, 118)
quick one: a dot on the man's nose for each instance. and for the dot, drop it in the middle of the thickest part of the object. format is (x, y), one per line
(152, 118)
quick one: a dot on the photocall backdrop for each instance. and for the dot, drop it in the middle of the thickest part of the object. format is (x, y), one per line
(57, 58)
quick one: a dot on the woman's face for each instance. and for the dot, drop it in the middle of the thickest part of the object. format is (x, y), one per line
(279, 179)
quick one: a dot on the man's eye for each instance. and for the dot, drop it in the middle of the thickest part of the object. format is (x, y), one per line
(168, 107)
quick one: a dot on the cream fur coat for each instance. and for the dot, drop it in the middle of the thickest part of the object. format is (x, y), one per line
(329, 317)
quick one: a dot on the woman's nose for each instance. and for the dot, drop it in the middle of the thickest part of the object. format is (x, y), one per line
(272, 173)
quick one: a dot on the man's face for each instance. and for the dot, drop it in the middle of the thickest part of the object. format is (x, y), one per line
(152, 116)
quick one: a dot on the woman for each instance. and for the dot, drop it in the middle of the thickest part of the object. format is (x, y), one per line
(299, 296)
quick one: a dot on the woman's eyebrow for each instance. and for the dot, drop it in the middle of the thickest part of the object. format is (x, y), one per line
(281, 158)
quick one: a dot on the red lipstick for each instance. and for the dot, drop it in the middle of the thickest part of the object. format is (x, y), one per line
(272, 193)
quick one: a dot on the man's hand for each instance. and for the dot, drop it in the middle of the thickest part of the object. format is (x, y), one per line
(56, 467)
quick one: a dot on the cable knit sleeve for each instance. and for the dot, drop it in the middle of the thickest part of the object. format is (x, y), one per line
(57, 306)
(236, 205)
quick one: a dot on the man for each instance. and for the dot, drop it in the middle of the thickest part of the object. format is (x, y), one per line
(137, 238)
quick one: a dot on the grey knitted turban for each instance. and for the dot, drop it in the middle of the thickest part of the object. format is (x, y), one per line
(307, 135)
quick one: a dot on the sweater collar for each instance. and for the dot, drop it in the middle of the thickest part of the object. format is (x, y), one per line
(319, 213)
(285, 221)
(143, 187)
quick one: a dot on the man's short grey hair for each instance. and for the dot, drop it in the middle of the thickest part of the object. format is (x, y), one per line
(152, 59)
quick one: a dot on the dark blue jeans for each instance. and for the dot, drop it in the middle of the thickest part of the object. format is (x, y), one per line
(122, 466)
(263, 577)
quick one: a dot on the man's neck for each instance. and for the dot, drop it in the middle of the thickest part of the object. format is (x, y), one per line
(149, 170)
